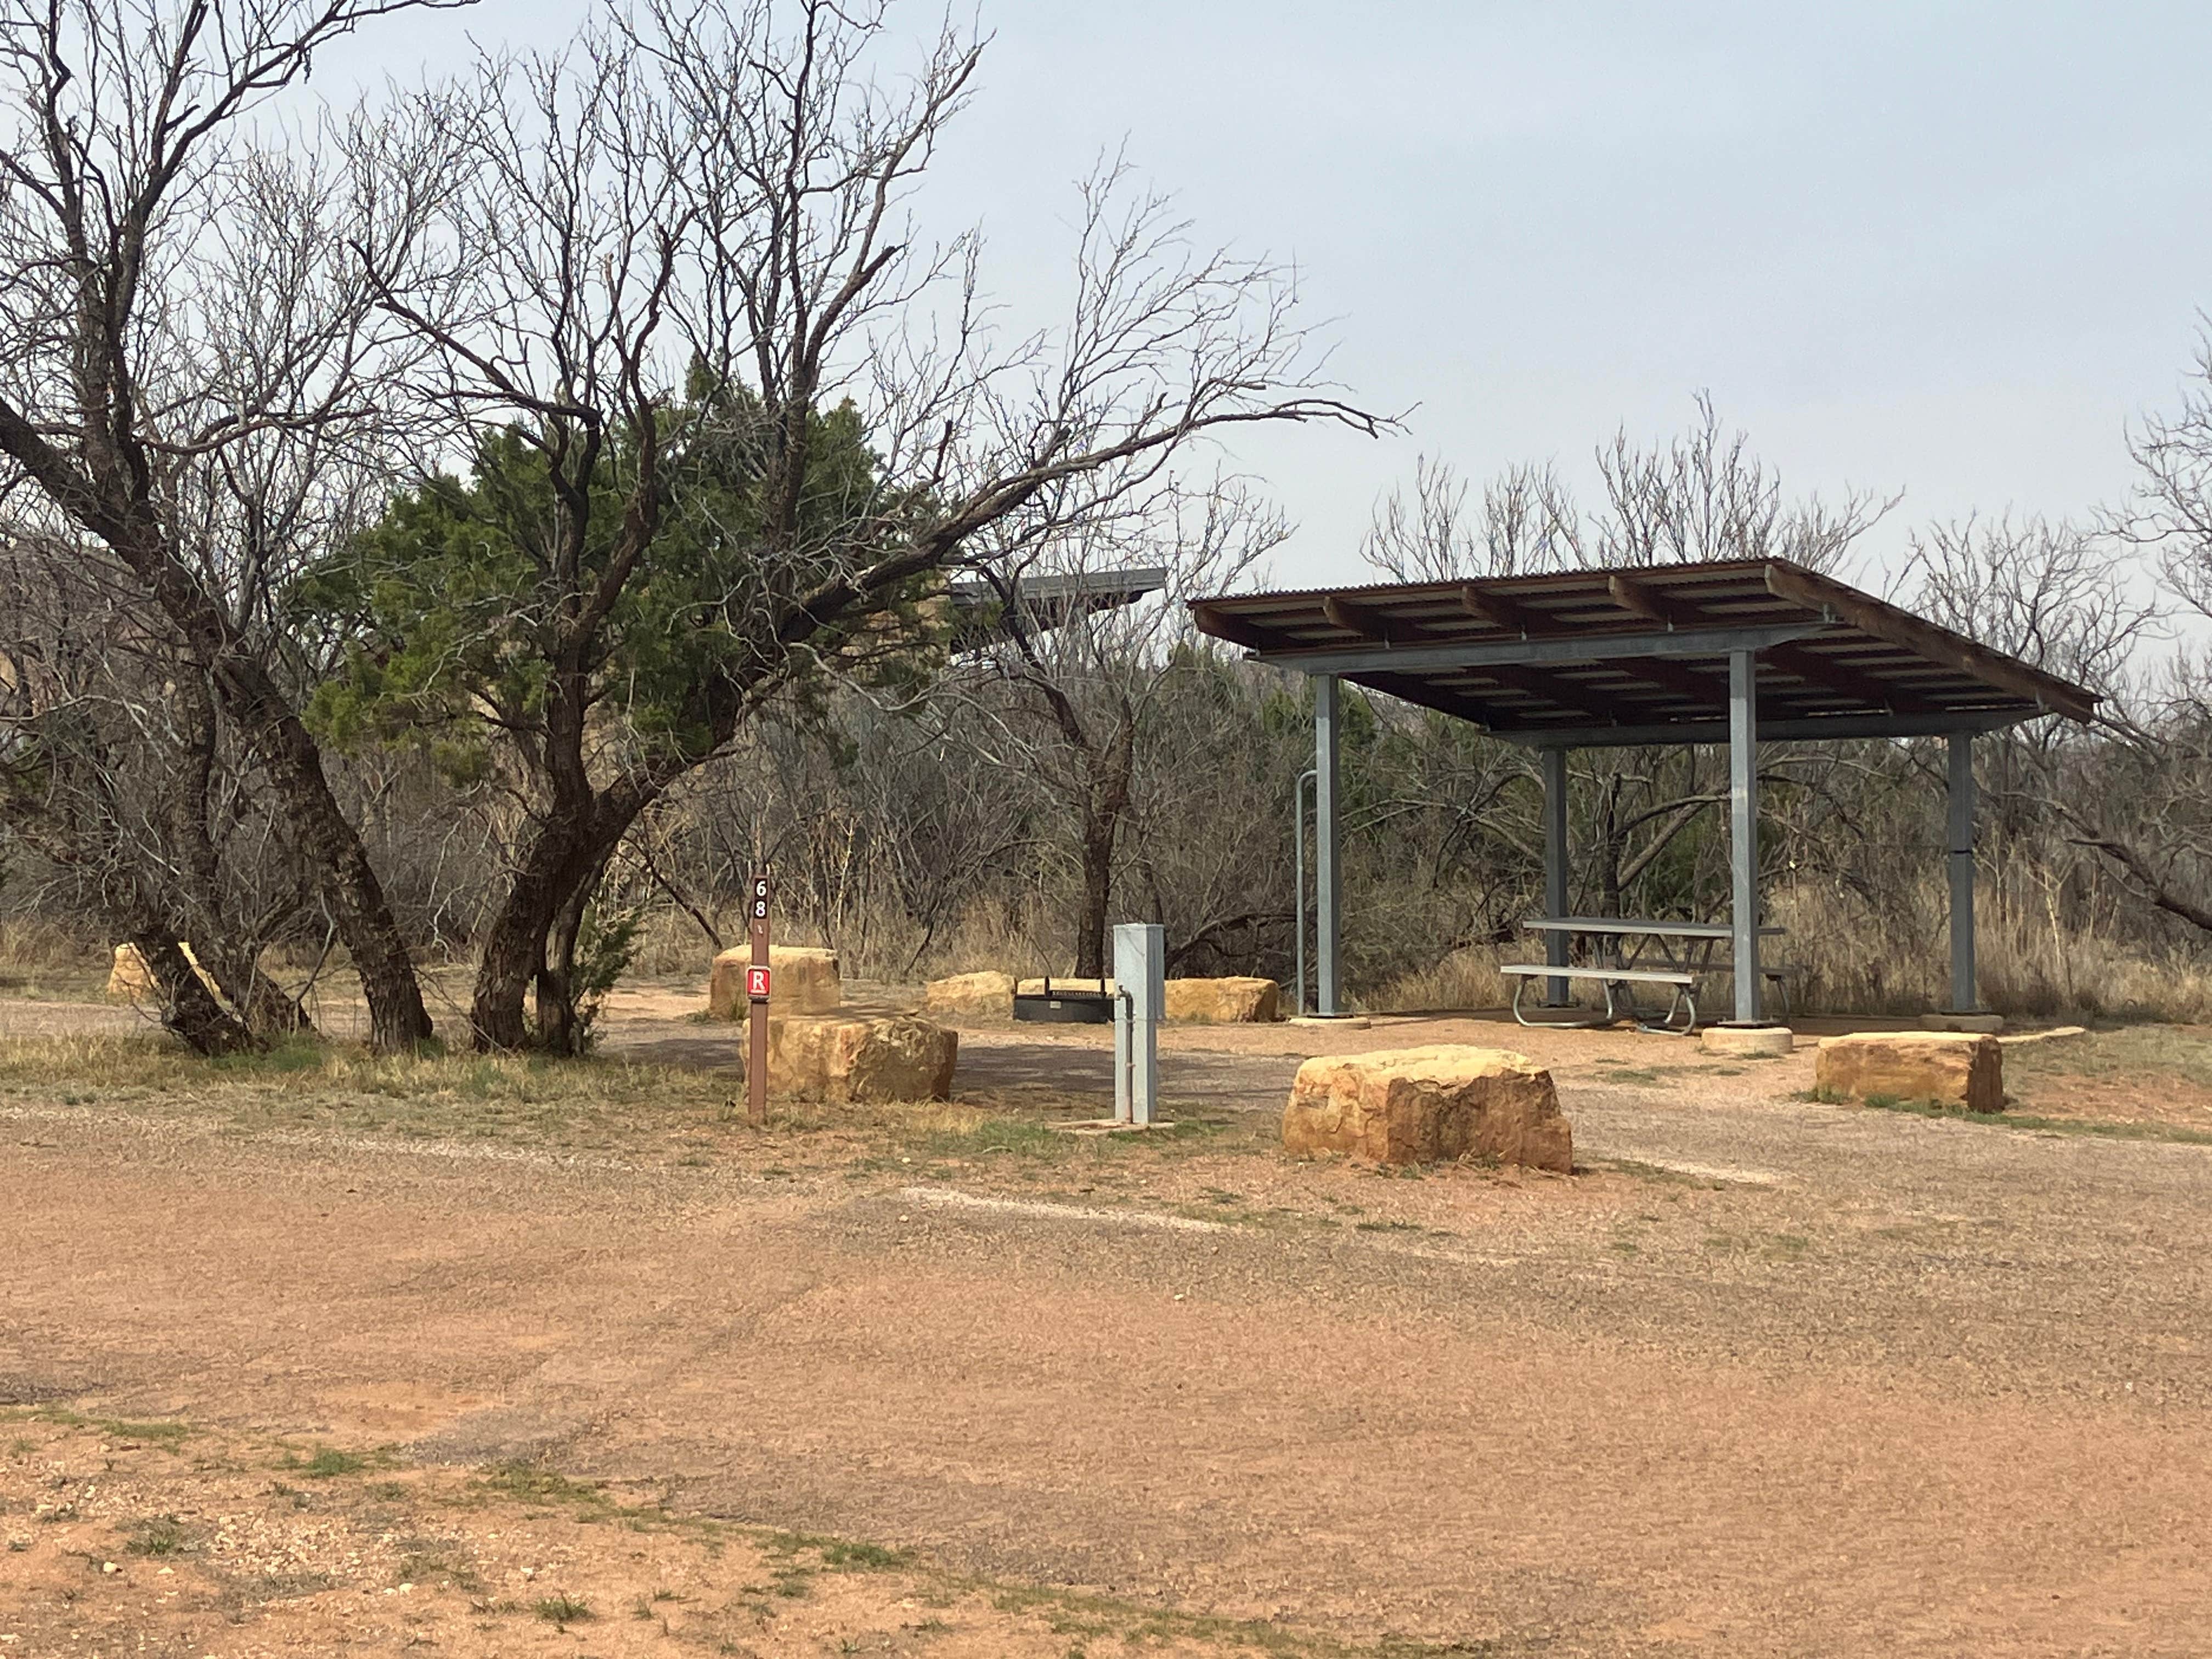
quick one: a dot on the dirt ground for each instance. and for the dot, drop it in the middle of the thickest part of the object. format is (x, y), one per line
(1766, 1377)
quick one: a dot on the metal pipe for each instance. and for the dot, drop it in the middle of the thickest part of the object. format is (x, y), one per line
(1298, 904)
(1328, 893)
(1555, 767)
(1965, 996)
(1743, 830)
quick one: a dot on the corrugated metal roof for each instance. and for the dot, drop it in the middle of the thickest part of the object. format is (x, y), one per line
(1574, 654)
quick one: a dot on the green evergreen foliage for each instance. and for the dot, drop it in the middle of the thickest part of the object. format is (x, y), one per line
(458, 607)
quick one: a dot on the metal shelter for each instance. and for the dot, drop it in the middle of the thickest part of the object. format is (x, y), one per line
(1739, 651)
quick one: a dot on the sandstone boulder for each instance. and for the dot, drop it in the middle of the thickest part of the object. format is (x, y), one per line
(803, 981)
(1951, 1068)
(1223, 1001)
(979, 996)
(129, 978)
(1428, 1106)
(861, 1059)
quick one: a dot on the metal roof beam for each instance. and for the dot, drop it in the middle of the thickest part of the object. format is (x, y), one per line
(1583, 648)
(1504, 610)
(1843, 678)
(1365, 621)
(1924, 639)
(1566, 694)
(1812, 729)
(1632, 596)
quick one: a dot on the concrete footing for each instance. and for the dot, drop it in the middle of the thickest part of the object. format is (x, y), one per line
(1747, 1042)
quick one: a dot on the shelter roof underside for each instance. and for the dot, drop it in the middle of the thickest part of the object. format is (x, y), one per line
(1599, 658)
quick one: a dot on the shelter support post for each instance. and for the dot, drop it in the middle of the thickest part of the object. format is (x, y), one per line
(1743, 830)
(1964, 993)
(1555, 867)
(1328, 894)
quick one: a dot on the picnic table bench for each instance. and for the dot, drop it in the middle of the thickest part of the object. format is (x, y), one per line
(1618, 976)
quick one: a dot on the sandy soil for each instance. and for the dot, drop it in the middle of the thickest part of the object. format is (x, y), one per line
(1770, 1377)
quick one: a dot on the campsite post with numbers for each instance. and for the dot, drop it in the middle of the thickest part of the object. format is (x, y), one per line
(756, 990)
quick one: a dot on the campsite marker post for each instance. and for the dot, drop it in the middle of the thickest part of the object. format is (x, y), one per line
(756, 989)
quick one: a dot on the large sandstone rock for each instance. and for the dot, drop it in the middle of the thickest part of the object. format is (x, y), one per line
(980, 996)
(129, 978)
(1951, 1068)
(1223, 1001)
(1428, 1106)
(802, 980)
(861, 1059)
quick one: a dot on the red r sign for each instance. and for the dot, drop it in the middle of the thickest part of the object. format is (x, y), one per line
(756, 984)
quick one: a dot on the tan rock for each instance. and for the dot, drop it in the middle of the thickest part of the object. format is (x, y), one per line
(1427, 1106)
(986, 995)
(802, 980)
(1223, 1001)
(129, 978)
(861, 1059)
(1951, 1068)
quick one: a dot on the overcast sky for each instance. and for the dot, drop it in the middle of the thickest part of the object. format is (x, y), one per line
(1948, 249)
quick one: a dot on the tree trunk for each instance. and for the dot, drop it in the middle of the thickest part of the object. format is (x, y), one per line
(513, 956)
(531, 944)
(232, 961)
(397, 1017)
(188, 1007)
(1098, 896)
(1102, 830)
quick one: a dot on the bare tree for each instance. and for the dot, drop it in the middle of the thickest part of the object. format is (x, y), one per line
(178, 329)
(680, 282)
(1087, 665)
(1701, 494)
(116, 771)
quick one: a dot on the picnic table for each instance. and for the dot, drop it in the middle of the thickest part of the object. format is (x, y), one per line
(1624, 945)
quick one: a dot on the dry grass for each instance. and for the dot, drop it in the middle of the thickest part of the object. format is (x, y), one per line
(601, 1104)
(2033, 965)
(583, 1103)
(41, 959)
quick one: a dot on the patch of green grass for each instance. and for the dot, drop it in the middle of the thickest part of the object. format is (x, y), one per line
(531, 1484)
(423, 1561)
(2134, 1053)
(1643, 1171)
(562, 1611)
(1387, 1227)
(327, 1462)
(844, 1555)
(158, 1536)
(2095, 1128)
(1769, 1247)
(166, 1435)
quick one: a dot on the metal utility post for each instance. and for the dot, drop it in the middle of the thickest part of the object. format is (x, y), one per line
(1743, 830)
(1139, 996)
(1298, 875)
(1965, 997)
(1555, 867)
(1328, 891)
(756, 992)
